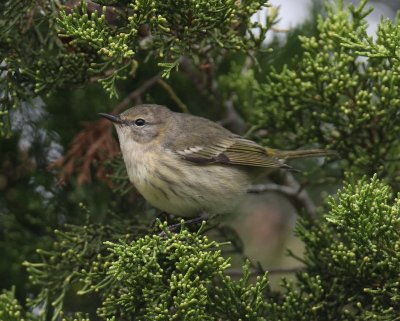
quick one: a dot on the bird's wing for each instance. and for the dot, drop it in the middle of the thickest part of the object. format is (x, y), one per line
(234, 151)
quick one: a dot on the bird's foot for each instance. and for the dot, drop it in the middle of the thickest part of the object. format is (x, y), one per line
(192, 223)
(161, 217)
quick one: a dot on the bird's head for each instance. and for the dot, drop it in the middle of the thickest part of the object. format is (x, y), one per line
(141, 124)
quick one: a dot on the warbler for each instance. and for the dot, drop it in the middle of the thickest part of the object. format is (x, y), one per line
(188, 165)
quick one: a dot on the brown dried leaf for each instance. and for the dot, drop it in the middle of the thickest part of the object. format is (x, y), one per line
(89, 150)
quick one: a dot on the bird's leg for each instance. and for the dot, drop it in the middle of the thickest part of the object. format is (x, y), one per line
(161, 216)
(190, 222)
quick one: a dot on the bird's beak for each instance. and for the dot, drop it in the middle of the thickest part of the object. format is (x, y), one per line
(113, 118)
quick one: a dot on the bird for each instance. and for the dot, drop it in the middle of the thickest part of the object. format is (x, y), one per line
(187, 165)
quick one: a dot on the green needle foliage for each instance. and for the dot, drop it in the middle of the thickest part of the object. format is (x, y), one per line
(351, 269)
(358, 244)
(10, 309)
(163, 276)
(339, 91)
(351, 260)
(71, 256)
(48, 45)
(385, 45)
(352, 257)
(333, 95)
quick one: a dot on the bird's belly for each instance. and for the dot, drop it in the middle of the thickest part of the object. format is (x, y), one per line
(189, 190)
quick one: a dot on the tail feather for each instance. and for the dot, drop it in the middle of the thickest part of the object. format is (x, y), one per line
(283, 154)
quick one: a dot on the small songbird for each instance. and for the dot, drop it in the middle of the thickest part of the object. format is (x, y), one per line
(188, 165)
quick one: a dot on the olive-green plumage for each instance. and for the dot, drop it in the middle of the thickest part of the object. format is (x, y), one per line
(186, 165)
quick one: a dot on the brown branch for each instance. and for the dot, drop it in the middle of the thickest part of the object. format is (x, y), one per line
(174, 96)
(207, 86)
(293, 191)
(239, 272)
(232, 118)
(136, 94)
(196, 77)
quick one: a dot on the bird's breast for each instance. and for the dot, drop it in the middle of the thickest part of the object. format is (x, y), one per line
(139, 160)
(177, 186)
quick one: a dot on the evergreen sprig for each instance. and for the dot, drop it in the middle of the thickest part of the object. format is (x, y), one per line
(33, 60)
(331, 96)
(341, 93)
(304, 300)
(243, 299)
(351, 263)
(10, 309)
(56, 46)
(163, 276)
(385, 45)
(70, 258)
(354, 253)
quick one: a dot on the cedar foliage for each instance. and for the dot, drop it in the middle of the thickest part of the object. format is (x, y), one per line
(104, 260)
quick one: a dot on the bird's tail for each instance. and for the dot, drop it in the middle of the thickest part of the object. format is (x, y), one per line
(292, 154)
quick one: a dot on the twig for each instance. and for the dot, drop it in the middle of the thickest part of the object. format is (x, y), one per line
(105, 74)
(302, 196)
(232, 118)
(196, 77)
(173, 96)
(113, 14)
(248, 63)
(239, 272)
(293, 191)
(271, 187)
(280, 29)
(137, 93)
(206, 84)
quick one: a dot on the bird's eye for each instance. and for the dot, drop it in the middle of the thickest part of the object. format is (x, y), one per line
(139, 122)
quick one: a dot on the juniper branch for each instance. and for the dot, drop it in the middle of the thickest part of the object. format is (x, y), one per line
(293, 191)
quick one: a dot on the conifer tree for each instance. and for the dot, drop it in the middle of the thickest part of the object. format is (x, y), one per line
(77, 240)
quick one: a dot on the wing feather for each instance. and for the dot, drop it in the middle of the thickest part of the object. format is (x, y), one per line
(235, 151)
